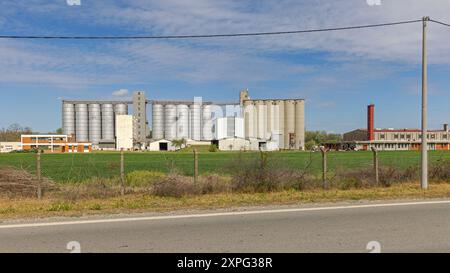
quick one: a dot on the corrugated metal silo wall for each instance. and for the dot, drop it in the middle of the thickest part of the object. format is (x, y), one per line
(182, 121)
(157, 121)
(289, 108)
(170, 122)
(95, 123)
(68, 119)
(270, 120)
(108, 122)
(81, 122)
(196, 113)
(207, 130)
(300, 124)
(121, 109)
(249, 116)
(262, 119)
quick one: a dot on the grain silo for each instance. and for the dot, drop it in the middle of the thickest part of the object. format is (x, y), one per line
(195, 114)
(81, 122)
(107, 122)
(300, 124)
(182, 121)
(261, 119)
(68, 119)
(207, 128)
(170, 121)
(289, 126)
(121, 109)
(278, 114)
(157, 121)
(95, 123)
(269, 119)
(249, 116)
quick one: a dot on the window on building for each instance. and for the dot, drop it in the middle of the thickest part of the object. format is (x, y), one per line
(402, 136)
(382, 136)
(395, 136)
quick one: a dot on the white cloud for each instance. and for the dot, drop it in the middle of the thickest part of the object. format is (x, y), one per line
(120, 93)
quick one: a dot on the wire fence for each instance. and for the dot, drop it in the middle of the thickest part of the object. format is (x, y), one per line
(74, 168)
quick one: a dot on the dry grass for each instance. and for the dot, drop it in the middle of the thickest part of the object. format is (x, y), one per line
(53, 205)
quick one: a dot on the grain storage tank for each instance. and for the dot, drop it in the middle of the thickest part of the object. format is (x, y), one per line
(170, 122)
(182, 121)
(262, 119)
(107, 122)
(249, 117)
(68, 119)
(278, 125)
(95, 123)
(289, 127)
(81, 122)
(157, 121)
(121, 109)
(270, 119)
(207, 127)
(196, 113)
(300, 124)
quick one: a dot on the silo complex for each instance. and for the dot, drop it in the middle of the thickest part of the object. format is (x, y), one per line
(95, 123)
(68, 119)
(158, 121)
(107, 122)
(282, 121)
(81, 123)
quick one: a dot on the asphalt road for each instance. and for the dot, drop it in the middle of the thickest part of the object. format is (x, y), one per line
(409, 227)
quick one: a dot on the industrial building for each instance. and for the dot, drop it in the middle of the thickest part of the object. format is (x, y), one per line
(261, 124)
(54, 144)
(391, 139)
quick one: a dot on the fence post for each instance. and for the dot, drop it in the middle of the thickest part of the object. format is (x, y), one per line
(375, 164)
(195, 166)
(324, 167)
(122, 173)
(38, 174)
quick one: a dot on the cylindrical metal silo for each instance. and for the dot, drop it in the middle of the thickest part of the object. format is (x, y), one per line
(249, 119)
(196, 113)
(289, 127)
(278, 113)
(270, 119)
(108, 122)
(262, 119)
(68, 119)
(95, 123)
(157, 121)
(82, 122)
(170, 122)
(182, 121)
(121, 109)
(207, 127)
(300, 124)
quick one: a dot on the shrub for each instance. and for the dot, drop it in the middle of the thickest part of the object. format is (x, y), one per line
(214, 183)
(440, 171)
(175, 185)
(92, 188)
(212, 148)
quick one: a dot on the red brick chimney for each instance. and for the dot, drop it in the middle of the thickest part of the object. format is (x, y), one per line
(370, 122)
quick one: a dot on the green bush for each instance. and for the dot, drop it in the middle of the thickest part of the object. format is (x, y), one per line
(212, 148)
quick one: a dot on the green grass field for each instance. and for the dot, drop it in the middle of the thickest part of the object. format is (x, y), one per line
(78, 167)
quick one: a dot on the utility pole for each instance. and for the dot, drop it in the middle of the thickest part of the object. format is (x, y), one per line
(424, 175)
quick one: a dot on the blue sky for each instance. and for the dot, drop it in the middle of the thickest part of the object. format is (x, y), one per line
(338, 73)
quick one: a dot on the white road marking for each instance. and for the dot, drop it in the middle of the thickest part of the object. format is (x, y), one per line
(204, 215)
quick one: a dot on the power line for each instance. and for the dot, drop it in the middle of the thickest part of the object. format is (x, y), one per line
(208, 35)
(439, 22)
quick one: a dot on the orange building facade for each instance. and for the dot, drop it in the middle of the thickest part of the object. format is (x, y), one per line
(54, 144)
